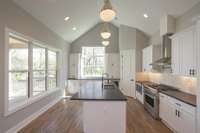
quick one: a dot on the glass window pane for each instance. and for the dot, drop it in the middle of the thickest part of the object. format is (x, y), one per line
(38, 82)
(87, 51)
(92, 61)
(38, 58)
(89, 61)
(52, 76)
(18, 86)
(52, 60)
(18, 54)
(99, 51)
(99, 61)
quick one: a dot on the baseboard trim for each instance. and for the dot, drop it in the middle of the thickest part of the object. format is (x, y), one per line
(26, 121)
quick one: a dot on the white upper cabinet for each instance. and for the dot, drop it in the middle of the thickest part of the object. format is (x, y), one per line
(184, 55)
(167, 25)
(175, 56)
(112, 62)
(150, 54)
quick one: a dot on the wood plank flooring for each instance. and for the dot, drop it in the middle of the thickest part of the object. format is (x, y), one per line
(65, 117)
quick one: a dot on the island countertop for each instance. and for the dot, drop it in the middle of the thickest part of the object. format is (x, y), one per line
(95, 92)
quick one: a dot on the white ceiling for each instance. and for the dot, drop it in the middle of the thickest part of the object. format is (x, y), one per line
(84, 14)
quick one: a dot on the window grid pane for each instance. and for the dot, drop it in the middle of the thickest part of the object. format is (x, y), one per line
(52, 70)
(38, 82)
(18, 86)
(18, 70)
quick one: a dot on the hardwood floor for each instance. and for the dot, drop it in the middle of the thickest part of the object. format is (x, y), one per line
(65, 117)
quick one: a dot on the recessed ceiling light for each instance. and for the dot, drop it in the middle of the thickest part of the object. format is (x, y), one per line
(145, 15)
(67, 18)
(74, 28)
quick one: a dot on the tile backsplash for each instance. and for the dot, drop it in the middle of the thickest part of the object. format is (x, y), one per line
(186, 84)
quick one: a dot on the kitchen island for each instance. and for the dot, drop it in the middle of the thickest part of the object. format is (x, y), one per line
(104, 109)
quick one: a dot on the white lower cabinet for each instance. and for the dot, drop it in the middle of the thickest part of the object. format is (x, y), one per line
(178, 116)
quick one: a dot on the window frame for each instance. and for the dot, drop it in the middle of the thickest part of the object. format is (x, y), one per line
(93, 66)
(31, 99)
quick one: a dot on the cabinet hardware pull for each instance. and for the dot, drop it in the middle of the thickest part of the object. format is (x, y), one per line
(176, 112)
(194, 72)
(190, 71)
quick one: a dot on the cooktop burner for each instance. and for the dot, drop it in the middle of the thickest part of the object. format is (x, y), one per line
(159, 87)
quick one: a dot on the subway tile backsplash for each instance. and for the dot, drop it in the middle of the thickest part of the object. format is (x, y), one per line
(185, 84)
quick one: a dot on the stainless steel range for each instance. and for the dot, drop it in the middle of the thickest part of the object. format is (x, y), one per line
(151, 98)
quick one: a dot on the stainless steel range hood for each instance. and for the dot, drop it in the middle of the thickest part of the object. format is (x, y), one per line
(165, 60)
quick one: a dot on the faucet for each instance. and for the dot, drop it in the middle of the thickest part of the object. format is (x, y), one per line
(107, 75)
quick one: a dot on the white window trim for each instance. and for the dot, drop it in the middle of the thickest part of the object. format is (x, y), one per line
(8, 111)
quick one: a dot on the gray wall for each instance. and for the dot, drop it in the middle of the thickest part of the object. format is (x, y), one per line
(155, 39)
(188, 18)
(132, 38)
(127, 37)
(93, 38)
(15, 18)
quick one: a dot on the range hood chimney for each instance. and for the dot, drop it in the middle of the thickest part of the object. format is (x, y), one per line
(167, 28)
(165, 59)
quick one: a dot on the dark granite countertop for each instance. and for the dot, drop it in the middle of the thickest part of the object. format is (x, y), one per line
(182, 96)
(95, 92)
(176, 93)
(114, 79)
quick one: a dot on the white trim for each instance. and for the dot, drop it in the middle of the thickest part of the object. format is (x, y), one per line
(26, 121)
(29, 102)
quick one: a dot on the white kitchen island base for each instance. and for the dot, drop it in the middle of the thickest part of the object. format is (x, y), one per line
(104, 116)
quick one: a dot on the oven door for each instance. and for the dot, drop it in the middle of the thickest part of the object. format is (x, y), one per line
(149, 100)
(151, 103)
(139, 88)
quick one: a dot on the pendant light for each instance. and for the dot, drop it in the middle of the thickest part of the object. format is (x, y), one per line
(105, 42)
(105, 33)
(107, 13)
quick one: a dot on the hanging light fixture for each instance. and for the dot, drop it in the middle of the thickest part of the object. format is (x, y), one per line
(105, 33)
(105, 42)
(107, 13)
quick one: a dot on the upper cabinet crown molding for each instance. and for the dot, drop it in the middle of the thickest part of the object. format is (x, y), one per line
(167, 25)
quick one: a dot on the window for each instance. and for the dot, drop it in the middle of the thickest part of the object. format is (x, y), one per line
(39, 70)
(18, 69)
(92, 61)
(32, 70)
(52, 69)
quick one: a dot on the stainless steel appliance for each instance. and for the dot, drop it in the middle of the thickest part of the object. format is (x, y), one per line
(151, 97)
(151, 101)
(139, 92)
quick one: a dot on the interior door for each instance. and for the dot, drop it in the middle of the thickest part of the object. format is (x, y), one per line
(127, 83)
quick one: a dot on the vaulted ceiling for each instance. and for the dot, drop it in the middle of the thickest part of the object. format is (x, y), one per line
(84, 14)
